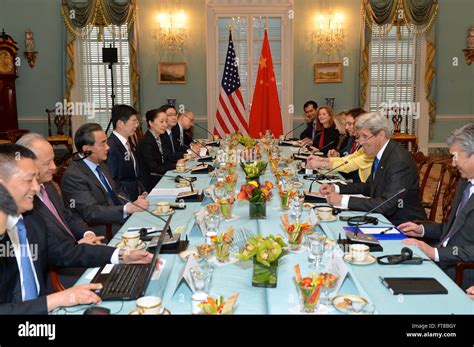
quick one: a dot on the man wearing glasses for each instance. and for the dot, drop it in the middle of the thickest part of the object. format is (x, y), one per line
(392, 170)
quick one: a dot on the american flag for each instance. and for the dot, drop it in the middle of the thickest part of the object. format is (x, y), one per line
(230, 115)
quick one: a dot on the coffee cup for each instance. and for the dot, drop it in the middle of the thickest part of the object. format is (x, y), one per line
(180, 167)
(324, 213)
(148, 305)
(131, 239)
(163, 207)
(187, 156)
(359, 252)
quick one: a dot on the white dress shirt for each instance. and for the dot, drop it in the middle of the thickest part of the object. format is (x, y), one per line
(125, 143)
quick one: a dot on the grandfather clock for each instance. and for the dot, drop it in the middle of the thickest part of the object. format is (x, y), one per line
(8, 75)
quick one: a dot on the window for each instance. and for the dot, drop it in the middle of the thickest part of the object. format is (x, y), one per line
(249, 21)
(242, 35)
(95, 76)
(395, 73)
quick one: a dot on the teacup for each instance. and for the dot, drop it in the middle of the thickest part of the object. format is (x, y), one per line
(163, 207)
(359, 252)
(187, 156)
(148, 305)
(324, 213)
(180, 167)
(131, 239)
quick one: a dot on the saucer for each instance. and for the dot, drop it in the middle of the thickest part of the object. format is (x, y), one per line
(340, 304)
(164, 311)
(369, 260)
(170, 211)
(307, 206)
(141, 245)
(332, 219)
(185, 170)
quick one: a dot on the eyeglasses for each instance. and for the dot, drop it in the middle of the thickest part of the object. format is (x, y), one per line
(364, 139)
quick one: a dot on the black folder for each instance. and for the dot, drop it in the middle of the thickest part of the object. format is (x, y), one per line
(413, 285)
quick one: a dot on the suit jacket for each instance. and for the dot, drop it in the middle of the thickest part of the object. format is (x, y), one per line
(122, 170)
(330, 135)
(170, 155)
(460, 246)
(308, 132)
(54, 249)
(151, 160)
(396, 170)
(89, 200)
(187, 138)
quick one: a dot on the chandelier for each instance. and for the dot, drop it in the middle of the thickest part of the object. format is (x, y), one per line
(328, 32)
(172, 31)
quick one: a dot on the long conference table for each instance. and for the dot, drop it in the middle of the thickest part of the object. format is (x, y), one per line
(237, 277)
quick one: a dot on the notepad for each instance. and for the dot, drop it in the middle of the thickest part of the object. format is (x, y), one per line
(167, 192)
(413, 285)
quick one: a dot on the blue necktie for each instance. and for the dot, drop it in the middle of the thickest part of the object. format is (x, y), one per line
(465, 198)
(171, 139)
(109, 190)
(29, 282)
(375, 165)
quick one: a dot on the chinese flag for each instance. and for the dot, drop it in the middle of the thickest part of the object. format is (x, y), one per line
(265, 112)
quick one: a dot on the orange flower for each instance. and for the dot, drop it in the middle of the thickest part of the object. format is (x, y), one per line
(269, 185)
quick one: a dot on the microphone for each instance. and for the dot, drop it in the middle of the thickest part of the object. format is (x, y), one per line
(192, 196)
(78, 158)
(325, 147)
(289, 132)
(146, 210)
(216, 143)
(365, 219)
(201, 158)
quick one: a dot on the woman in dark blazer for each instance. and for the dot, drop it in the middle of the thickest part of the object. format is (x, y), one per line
(150, 156)
(327, 136)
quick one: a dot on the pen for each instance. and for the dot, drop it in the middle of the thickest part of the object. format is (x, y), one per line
(384, 231)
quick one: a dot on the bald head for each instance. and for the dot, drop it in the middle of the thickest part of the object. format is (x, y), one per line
(44, 155)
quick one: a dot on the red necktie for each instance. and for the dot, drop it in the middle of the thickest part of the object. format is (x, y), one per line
(354, 146)
(321, 139)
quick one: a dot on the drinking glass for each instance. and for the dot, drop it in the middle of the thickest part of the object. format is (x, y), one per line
(317, 242)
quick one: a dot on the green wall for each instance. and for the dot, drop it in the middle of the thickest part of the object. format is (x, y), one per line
(42, 86)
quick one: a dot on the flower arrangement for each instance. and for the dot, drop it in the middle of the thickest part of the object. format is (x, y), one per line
(254, 169)
(222, 242)
(295, 231)
(247, 141)
(254, 192)
(266, 250)
(219, 306)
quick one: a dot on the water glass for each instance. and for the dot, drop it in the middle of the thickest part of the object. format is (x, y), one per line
(316, 245)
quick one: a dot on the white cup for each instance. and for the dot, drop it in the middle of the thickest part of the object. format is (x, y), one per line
(359, 252)
(162, 207)
(131, 239)
(180, 167)
(324, 213)
(148, 305)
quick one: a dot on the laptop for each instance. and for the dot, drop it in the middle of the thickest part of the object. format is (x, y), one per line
(128, 281)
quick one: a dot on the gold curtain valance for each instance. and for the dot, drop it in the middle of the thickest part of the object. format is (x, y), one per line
(78, 14)
(418, 15)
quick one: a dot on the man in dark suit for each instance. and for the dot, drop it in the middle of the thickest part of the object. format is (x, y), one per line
(88, 188)
(31, 247)
(172, 149)
(455, 238)
(121, 159)
(393, 169)
(181, 130)
(310, 107)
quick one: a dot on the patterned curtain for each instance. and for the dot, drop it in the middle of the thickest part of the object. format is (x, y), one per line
(419, 13)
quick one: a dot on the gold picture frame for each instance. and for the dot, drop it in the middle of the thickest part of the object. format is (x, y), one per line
(172, 73)
(327, 72)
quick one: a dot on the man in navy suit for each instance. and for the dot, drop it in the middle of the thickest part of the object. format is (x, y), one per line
(31, 247)
(455, 238)
(307, 135)
(121, 160)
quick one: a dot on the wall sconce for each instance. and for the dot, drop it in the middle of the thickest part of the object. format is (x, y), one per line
(30, 52)
(172, 31)
(469, 51)
(328, 32)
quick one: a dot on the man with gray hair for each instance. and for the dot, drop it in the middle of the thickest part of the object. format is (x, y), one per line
(393, 170)
(455, 238)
